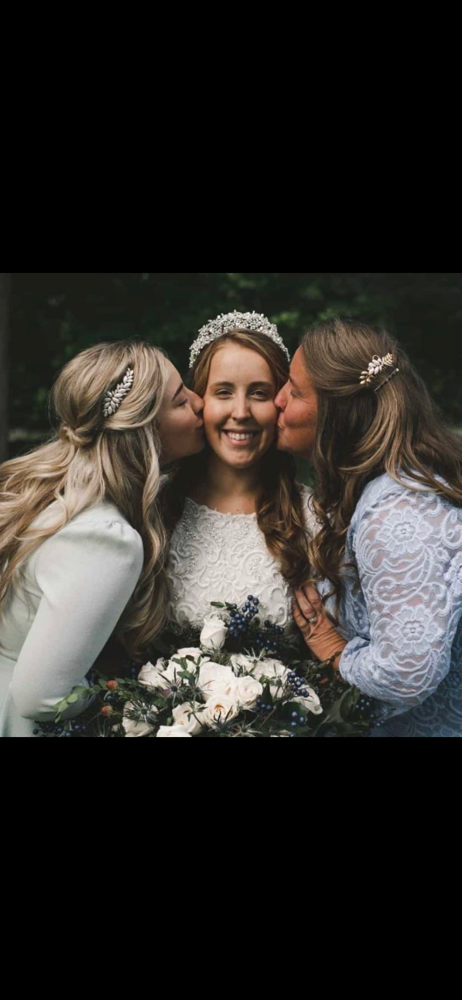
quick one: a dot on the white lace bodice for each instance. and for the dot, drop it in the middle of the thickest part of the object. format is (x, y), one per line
(223, 557)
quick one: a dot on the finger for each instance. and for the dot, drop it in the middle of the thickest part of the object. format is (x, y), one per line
(305, 606)
(298, 614)
(303, 623)
(311, 595)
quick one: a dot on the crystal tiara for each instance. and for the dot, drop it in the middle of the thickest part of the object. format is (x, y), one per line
(253, 322)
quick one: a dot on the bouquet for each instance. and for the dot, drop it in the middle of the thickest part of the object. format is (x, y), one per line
(240, 679)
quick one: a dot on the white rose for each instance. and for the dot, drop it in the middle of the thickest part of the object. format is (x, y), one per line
(247, 690)
(312, 703)
(214, 677)
(188, 717)
(240, 663)
(174, 670)
(192, 651)
(214, 633)
(135, 727)
(172, 731)
(219, 708)
(151, 676)
(271, 668)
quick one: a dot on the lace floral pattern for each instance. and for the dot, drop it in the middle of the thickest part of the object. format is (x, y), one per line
(217, 557)
(406, 617)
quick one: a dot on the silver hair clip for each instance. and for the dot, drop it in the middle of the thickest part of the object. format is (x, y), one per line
(253, 322)
(375, 367)
(113, 399)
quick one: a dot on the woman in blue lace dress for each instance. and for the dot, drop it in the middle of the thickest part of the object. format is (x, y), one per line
(385, 599)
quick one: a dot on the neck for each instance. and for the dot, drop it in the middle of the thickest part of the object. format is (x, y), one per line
(228, 489)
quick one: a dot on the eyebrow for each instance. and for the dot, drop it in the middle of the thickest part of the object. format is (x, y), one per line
(177, 393)
(252, 385)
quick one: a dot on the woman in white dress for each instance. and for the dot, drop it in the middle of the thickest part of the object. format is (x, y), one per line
(237, 516)
(81, 539)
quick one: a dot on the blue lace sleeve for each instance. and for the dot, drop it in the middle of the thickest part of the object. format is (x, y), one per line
(408, 551)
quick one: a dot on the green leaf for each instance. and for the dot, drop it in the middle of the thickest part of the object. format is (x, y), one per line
(216, 604)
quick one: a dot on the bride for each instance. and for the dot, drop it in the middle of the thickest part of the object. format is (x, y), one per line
(238, 519)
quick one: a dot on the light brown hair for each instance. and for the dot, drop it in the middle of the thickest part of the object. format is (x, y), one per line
(93, 458)
(390, 426)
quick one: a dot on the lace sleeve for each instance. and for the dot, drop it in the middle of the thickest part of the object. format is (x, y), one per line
(409, 559)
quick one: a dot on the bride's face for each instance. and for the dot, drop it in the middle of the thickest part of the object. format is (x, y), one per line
(239, 412)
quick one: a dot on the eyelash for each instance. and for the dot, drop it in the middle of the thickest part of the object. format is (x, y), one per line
(259, 394)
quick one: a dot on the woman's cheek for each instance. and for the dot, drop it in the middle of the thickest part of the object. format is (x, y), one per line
(272, 415)
(211, 413)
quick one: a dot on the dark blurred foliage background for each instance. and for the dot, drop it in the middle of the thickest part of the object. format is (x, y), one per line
(52, 316)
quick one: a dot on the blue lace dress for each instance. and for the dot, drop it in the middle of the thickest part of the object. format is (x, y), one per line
(404, 620)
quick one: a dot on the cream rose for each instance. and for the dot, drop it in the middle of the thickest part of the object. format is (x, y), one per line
(174, 669)
(219, 708)
(172, 731)
(270, 669)
(134, 727)
(242, 663)
(214, 677)
(273, 670)
(246, 690)
(151, 676)
(192, 651)
(188, 717)
(214, 633)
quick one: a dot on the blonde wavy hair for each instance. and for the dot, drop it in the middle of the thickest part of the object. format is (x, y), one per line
(93, 458)
(362, 433)
(279, 504)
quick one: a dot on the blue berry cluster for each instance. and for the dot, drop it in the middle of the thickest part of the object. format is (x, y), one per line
(366, 709)
(243, 627)
(298, 685)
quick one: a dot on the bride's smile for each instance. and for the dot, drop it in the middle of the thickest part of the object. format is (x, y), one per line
(239, 412)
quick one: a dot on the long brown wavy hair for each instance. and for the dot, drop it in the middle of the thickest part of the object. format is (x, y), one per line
(93, 458)
(390, 426)
(279, 505)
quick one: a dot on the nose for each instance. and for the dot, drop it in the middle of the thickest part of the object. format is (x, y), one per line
(281, 398)
(241, 407)
(197, 403)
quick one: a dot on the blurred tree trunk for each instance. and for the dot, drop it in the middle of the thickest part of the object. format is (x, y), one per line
(4, 338)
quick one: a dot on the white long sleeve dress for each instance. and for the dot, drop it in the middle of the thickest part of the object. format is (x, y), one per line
(74, 589)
